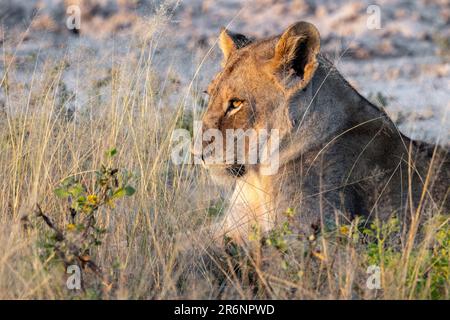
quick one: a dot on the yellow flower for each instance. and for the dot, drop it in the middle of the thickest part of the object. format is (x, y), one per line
(319, 255)
(344, 230)
(71, 227)
(92, 199)
(289, 213)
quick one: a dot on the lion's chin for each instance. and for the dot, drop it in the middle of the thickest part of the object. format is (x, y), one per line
(226, 174)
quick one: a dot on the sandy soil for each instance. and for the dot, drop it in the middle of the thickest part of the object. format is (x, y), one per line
(403, 66)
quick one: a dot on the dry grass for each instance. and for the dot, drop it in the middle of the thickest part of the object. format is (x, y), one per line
(144, 252)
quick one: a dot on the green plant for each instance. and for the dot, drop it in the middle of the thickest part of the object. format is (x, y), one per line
(73, 243)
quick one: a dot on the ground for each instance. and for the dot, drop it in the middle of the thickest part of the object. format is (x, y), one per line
(404, 65)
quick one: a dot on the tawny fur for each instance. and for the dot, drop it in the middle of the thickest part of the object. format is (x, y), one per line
(340, 156)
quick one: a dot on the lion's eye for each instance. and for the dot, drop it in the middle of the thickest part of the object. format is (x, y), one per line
(234, 104)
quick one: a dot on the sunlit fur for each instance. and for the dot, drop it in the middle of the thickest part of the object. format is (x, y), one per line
(340, 156)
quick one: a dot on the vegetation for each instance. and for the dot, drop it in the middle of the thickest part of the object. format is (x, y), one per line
(57, 208)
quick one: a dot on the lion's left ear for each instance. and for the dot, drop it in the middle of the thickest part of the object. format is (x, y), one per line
(295, 59)
(230, 42)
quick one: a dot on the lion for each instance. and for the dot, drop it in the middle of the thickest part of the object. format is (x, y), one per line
(339, 155)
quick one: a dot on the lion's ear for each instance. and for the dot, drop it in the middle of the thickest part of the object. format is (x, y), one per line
(230, 41)
(295, 59)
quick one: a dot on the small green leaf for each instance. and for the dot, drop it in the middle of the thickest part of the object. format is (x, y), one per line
(111, 152)
(81, 200)
(76, 190)
(61, 192)
(119, 193)
(129, 190)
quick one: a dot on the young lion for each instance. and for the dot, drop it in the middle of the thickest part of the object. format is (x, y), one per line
(339, 155)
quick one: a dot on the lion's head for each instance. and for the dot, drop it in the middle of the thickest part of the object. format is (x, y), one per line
(254, 85)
